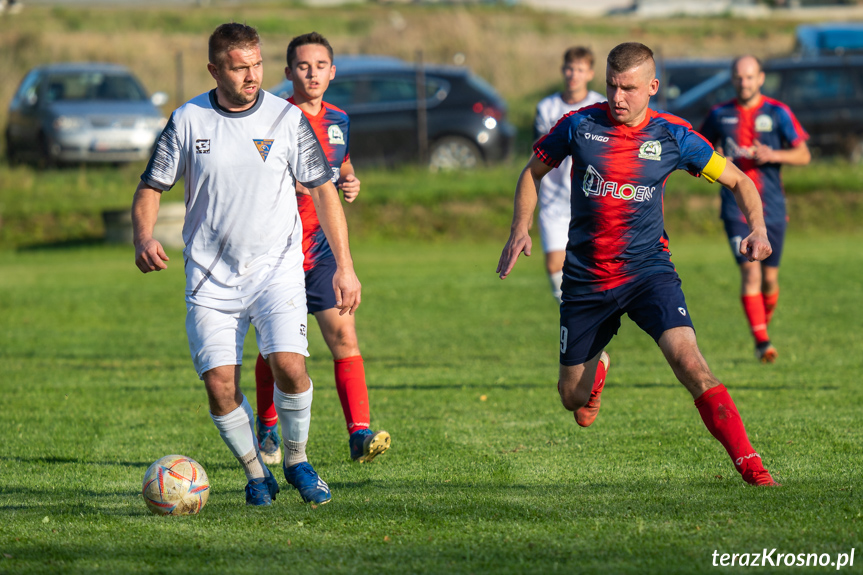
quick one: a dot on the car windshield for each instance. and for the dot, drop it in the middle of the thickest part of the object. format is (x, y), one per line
(93, 86)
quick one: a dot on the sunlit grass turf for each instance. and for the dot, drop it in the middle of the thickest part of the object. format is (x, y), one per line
(97, 383)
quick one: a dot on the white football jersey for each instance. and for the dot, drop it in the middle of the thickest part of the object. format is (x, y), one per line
(555, 186)
(242, 229)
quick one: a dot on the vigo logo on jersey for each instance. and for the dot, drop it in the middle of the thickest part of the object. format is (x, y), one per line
(595, 137)
(595, 185)
(336, 173)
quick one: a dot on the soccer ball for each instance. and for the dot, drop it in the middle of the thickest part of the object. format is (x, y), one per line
(175, 485)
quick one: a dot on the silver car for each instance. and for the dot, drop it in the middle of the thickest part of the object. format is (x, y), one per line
(83, 112)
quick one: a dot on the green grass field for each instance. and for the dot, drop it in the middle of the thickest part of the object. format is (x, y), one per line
(487, 472)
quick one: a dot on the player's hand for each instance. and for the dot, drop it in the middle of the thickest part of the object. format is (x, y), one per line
(150, 257)
(761, 153)
(517, 243)
(350, 187)
(756, 246)
(348, 290)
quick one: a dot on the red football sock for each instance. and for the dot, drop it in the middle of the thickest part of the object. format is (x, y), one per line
(753, 307)
(720, 415)
(353, 393)
(264, 383)
(770, 305)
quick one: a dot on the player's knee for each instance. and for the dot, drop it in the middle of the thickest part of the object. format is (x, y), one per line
(291, 373)
(344, 342)
(572, 396)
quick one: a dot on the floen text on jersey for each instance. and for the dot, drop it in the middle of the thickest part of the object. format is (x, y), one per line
(616, 230)
(242, 229)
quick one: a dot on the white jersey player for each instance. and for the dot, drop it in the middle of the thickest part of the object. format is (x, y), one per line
(241, 151)
(554, 206)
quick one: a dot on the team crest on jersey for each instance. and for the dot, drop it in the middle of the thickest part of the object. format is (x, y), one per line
(336, 135)
(763, 123)
(595, 185)
(264, 147)
(651, 150)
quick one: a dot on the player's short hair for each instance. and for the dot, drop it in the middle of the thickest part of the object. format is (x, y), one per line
(629, 55)
(305, 40)
(577, 54)
(229, 37)
(739, 58)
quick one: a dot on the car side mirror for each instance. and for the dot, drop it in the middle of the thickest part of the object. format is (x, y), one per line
(31, 99)
(159, 99)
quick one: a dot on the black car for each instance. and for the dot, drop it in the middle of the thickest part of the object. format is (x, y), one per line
(825, 93)
(678, 76)
(465, 117)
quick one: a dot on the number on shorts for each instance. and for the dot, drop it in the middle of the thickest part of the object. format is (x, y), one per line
(563, 337)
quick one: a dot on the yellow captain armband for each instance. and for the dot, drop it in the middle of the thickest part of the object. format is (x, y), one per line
(714, 168)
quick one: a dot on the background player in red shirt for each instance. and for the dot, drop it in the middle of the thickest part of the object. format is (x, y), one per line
(617, 257)
(759, 134)
(310, 68)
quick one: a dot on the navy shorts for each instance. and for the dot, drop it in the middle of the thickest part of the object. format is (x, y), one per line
(737, 230)
(589, 321)
(319, 285)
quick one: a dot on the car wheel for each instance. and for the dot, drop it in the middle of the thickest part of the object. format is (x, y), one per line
(46, 157)
(11, 151)
(854, 150)
(454, 153)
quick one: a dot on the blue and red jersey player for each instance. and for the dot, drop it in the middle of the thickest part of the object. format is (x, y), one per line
(310, 68)
(332, 127)
(617, 257)
(759, 134)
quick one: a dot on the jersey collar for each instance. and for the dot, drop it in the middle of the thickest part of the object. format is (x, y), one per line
(627, 129)
(214, 102)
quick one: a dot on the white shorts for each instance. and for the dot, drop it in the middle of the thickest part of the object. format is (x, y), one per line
(554, 228)
(278, 313)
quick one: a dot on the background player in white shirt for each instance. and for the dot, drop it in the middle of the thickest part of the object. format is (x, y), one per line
(554, 206)
(241, 151)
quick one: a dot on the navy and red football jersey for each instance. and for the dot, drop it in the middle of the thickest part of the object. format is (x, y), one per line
(735, 129)
(616, 230)
(332, 127)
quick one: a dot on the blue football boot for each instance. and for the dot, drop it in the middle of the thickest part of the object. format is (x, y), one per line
(312, 488)
(269, 442)
(367, 444)
(262, 491)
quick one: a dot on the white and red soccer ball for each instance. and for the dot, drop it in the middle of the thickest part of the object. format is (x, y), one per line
(175, 485)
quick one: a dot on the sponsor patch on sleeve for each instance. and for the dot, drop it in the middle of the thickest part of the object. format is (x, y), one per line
(714, 168)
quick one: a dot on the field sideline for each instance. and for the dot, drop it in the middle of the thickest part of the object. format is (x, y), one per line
(487, 472)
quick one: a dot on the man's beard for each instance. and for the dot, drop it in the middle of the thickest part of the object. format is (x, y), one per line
(240, 98)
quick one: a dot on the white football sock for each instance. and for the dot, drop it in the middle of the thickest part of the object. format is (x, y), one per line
(237, 431)
(295, 413)
(555, 280)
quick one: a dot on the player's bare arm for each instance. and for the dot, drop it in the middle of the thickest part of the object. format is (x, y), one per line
(755, 246)
(799, 155)
(526, 195)
(348, 182)
(149, 254)
(332, 218)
